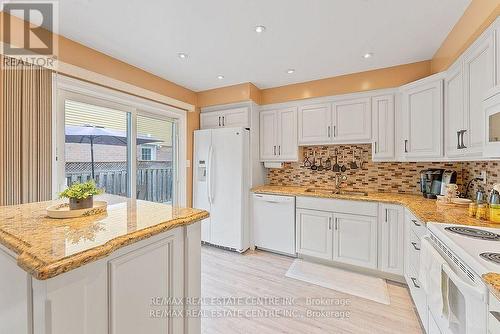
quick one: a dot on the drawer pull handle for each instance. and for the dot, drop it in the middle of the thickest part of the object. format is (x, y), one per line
(415, 246)
(415, 222)
(414, 280)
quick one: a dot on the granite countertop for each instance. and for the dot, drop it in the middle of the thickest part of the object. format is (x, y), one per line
(424, 209)
(48, 247)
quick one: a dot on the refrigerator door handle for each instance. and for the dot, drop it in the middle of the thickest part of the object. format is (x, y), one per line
(209, 175)
(211, 189)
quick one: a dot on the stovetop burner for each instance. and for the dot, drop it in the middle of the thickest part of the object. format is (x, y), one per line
(492, 257)
(474, 233)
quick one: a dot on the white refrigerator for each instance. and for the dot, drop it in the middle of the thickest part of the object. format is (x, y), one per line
(221, 181)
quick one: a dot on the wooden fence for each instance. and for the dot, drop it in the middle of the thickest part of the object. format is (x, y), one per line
(153, 184)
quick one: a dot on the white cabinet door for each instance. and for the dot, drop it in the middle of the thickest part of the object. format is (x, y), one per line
(268, 135)
(355, 240)
(210, 120)
(423, 120)
(454, 118)
(158, 270)
(391, 238)
(315, 124)
(352, 120)
(383, 127)
(287, 135)
(236, 117)
(314, 233)
(479, 77)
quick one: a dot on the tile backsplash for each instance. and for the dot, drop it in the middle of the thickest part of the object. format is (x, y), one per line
(402, 177)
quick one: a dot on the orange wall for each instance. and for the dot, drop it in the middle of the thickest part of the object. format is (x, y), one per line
(357, 82)
(477, 17)
(377, 79)
(224, 95)
(79, 55)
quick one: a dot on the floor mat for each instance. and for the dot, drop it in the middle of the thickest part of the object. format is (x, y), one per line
(345, 281)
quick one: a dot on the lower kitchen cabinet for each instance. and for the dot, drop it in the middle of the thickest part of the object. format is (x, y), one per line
(391, 236)
(355, 240)
(414, 231)
(314, 233)
(364, 234)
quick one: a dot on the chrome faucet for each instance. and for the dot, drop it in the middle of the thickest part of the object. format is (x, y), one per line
(338, 180)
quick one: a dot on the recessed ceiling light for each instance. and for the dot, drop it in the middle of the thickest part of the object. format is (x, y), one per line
(182, 55)
(290, 71)
(220, 77)
(260, 29)
(368, 55)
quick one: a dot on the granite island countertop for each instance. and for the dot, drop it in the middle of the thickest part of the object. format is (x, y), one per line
(46, 247)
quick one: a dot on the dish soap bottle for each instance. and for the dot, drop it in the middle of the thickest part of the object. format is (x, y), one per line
(494, 202)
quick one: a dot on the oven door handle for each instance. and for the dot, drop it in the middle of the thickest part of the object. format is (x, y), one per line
(462, 285)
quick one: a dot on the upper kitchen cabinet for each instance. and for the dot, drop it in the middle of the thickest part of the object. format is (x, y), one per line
(278, 135)
(454, 117)
(479, 77)
(352, 121)
(492, 124)
(315, 124)
(237, 117)
(383, 127)
(422, 118)
(343, 121)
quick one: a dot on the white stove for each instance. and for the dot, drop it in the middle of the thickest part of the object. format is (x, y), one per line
(458, 298)
(468, 243)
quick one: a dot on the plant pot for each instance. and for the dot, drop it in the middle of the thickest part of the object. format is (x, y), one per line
(78, 204)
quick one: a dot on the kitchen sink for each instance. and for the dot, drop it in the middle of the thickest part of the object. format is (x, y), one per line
(352, 193)
(336, 192)
(321, 190)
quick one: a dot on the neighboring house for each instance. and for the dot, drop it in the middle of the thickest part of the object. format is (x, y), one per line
(79, 114)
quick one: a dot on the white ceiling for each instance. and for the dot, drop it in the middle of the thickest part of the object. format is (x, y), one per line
(318, 38)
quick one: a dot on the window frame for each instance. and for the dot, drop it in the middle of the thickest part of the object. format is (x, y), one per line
(69, 88)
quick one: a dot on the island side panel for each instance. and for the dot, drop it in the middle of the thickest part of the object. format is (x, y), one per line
(192, 277)
(15, 295)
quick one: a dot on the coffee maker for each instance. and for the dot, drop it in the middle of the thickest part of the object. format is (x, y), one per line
(433, 182)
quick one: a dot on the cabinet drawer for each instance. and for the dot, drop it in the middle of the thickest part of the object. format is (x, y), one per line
(414, 224)
(418, 295)
(342, 206)
(413, 249)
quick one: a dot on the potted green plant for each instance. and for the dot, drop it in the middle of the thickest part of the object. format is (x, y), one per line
(81, 195)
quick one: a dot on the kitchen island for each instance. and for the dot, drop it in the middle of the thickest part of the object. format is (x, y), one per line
(129, 270)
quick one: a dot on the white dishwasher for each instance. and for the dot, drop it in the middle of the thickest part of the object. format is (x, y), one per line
(274, 223)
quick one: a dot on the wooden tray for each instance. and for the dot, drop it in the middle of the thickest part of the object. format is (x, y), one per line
(62, 211)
